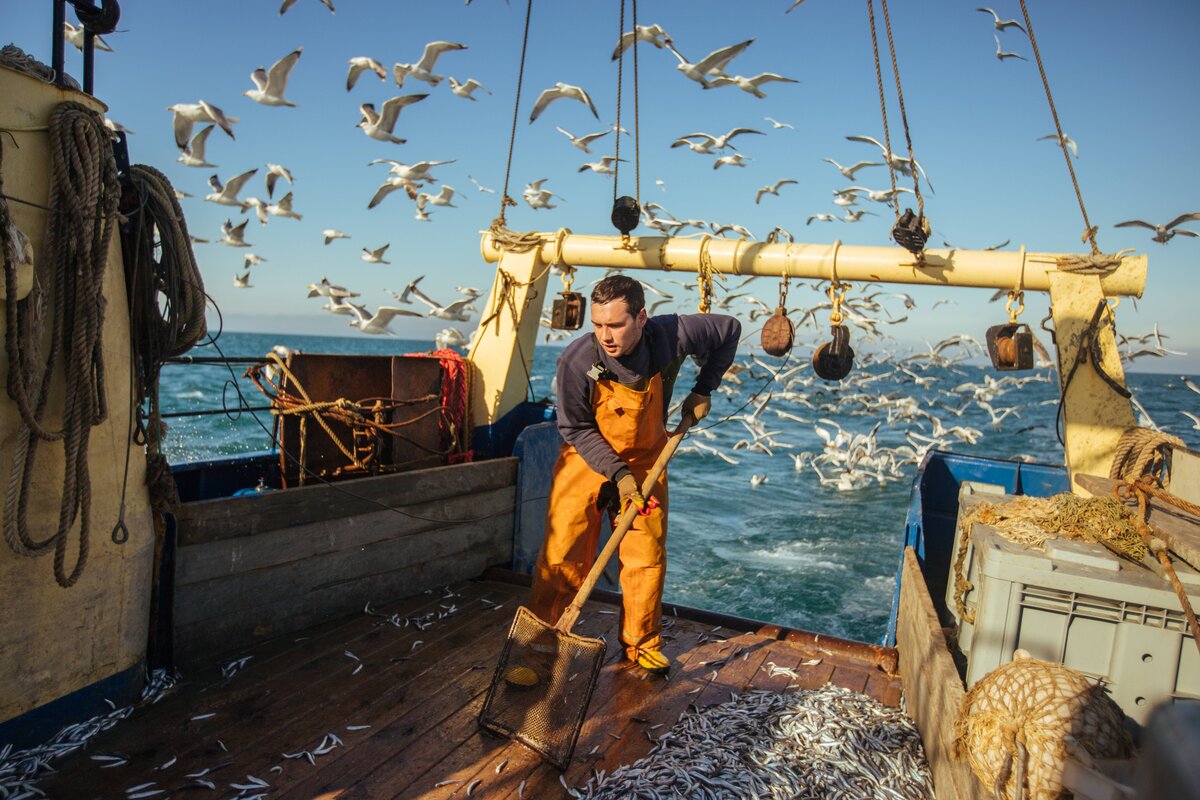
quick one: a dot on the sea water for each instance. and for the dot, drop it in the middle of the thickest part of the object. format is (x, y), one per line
(789, 551)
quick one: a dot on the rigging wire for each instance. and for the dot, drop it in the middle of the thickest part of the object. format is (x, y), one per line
(887, 135)
(505, 200)
(1089, 233)
(912, 159)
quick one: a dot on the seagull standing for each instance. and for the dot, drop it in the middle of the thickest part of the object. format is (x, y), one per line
(711, 65)
(270, 86)
(465, 89)
(359, 65)
(423, 69)
(375, 256)
(558, 91)
(380, 125)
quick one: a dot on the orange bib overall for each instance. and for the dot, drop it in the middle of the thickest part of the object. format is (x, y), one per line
(631, 421)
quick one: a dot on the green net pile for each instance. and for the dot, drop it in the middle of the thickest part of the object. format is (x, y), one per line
(1032, 521)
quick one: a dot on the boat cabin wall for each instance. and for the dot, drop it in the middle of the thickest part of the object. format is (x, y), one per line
(55, 641)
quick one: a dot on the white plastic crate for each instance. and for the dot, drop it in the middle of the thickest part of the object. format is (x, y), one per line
(1080, 605)
(969, 494)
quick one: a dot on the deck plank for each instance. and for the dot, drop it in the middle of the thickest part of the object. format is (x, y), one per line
(422, 708)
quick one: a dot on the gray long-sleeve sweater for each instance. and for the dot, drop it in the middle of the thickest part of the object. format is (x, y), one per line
(712, 337)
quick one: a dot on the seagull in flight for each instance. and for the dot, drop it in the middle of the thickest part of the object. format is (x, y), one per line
(1002, 24)
(465, 89)
(1002, 54)
(1164, 233)
(480, 186)
(283, 208)
(227, 194)
(654, 34)
(777, 124)
(735, 160)
(274, 173)
(193, 154)
(380, 125)
(711, 65)
(233, 235)
(270, 86)
(1067, 140)
(188, 114)
(442, 198)
(752, 84)
(582, 142)
(330, 234)
(423, 69)
(406, 296)
(330, 290)
(242, 281)
(289, 3)
(375, 256)
(75, 36)
(710, 142)
(558, 91)
(820, 218)
(853, 168)
(772, 189)
(359, 65)
(899, 163)
(379, 321)
(458, 311)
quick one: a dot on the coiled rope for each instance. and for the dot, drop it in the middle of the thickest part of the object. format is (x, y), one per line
(1141, 451)
(84, 193)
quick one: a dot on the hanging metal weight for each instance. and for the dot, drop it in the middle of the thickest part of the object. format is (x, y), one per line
(779, 333)
(834, 359)
(567, 312)
(626, 214)
(911, 231)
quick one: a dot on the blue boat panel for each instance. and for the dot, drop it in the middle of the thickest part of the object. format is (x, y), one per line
(933, 510)
(498, 439)
(537, 447)
(226, 475)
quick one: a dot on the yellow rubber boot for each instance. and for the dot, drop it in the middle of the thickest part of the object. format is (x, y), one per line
(653, 661)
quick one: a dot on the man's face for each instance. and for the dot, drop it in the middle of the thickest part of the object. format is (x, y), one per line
(616, 329)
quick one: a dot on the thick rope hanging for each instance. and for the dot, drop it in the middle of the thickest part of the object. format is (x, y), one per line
(1089, 232)
(84, 194)
(912, 158)
(887, 134)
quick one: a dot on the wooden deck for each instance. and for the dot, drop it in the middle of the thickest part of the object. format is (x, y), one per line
(420, 692)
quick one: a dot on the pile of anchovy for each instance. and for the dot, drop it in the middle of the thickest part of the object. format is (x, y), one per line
(825, 743)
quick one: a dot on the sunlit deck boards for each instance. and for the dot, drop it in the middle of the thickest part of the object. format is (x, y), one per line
(420, 693)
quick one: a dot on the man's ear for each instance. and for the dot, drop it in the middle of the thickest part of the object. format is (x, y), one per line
(641, 319)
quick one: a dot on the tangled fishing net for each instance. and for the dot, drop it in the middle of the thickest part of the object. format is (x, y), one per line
(825, 743)
(1039, 706)
(1032, 521)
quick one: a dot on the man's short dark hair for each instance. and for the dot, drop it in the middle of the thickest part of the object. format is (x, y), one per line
(620, 287)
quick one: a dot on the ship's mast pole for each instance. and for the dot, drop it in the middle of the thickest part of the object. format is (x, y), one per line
(1094, 412)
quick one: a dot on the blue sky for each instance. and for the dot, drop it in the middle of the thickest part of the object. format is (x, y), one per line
(1120, 72)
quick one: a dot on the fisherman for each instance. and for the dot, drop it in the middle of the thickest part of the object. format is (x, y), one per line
(614, 389)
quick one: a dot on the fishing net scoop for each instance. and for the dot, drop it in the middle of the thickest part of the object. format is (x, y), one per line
(544, 681)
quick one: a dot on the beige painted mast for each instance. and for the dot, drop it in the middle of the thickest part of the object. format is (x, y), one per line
(1095, 415)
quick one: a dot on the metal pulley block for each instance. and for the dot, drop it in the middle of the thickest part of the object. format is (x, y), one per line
(778, 333)
(626, 214)
(567, 312)
(911, 231)
(834, 359)
(1010, 346)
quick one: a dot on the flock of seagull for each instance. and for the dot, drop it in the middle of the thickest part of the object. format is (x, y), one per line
(416, 180)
